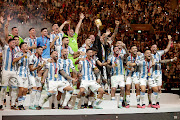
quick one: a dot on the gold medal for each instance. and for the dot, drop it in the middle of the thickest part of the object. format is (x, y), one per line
(115, 64)
(55, 75)
(149, 74)
(95, 68)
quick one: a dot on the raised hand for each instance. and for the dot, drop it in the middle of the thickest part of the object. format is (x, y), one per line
(67, 22)
(82, 16)
(9, 18)
(108, 32)
(1, 20)
(117, 22)
(175, 59)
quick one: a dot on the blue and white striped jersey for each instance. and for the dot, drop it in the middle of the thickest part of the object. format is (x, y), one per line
(58, 41)
(119, 69)
(82, 49)
(144, 66)
(52, 67)
(16, 49)
(22, 64)
(88, 69)
(59, 48)
(66, 65)
(8, 56)
(30, 42)
(34, 60)
(135, 73)
(157, 57)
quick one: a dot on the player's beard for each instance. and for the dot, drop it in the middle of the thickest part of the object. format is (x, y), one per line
(66, 45)
(65, 56)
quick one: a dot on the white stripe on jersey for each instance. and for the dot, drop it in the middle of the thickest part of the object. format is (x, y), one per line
(143, 68)
(135, 73)
(157, 57)
(22, 64)
(58, 41)
(8, 58)
(51, 71)
(30, 42)
(66, 65)
(119, 69)
(59, 48)
(83, 49)
(16, 49)
(87, 69)
(33, 60)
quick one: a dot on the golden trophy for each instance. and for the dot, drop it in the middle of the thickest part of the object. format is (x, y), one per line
(98, 22)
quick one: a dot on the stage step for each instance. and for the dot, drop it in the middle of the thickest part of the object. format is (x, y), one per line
(166, 98)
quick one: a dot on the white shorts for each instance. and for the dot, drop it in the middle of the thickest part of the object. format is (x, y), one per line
(35, 82)
(150, 82)
(91, 84)
(57, 86)
(117, 80)
(130, 80)
(158, 79)
(23, 82)
(104, 73)
(9, 78)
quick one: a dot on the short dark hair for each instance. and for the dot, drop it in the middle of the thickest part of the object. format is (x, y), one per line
(16, 36)
(88, 49)
(43, 29)
(22, 44)
(95, 49)
(31, 29)
(54, 24)
(39, 47)
(133, 45)
(11, 39)
(13, 28)
(146, 49)
(64, 38)
(52, 52)
(114, 47)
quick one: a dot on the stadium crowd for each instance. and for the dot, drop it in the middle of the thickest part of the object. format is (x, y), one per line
(80, 33)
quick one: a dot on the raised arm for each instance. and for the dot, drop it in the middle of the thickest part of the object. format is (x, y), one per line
(3, 42)
(6, 28)
(62, 26)
(115, 31)
(79, 24)
(99, 31)
(1, 21)
(169, 44)
(168, 60)
(127, 52)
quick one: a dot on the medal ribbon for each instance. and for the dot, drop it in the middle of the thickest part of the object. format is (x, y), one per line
(148, 67)
(90, 61)
(34, 39)
(43, 41)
